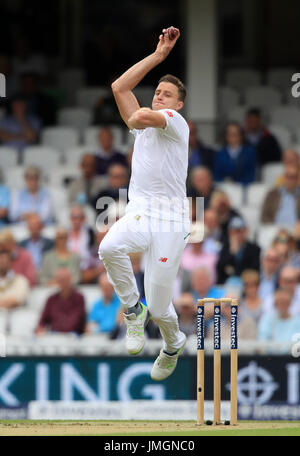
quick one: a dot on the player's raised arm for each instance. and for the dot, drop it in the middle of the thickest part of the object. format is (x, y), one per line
(123, 86)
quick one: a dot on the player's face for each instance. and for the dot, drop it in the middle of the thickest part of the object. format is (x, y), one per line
(166, 97)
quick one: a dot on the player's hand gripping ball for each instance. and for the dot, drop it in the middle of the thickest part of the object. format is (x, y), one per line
(172, 32)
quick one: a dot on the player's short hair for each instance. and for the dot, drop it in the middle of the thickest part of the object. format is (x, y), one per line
(177, 82)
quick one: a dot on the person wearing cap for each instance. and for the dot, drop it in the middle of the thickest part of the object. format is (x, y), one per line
(32, 199)
(238, 254)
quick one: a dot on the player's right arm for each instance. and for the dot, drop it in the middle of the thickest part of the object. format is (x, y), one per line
(123, 86)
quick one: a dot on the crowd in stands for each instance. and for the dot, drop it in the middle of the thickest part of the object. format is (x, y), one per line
(228, 262)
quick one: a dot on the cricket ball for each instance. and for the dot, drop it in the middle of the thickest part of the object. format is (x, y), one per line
(172, 32)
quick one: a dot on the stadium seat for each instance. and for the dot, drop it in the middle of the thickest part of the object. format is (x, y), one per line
(234, 191)
(59, 197)
(91, 294)
(55, 345)
(282, 134)
(280, 77)
(87, 97)
(263, 97)
(252, 216)
(70, 81)
(19, 231)
(49, 231)
(256, 194)
(62, 176)
(3, 321)
(286, 116)
(44, 157)
(8, 157)
(290, 99)
(60, 138)
(91, 133)
(270, 173)
(74, 154)
(242, 78)
(14, 177)
(19, 345)
(228, 98)
(93, 344)
(38, 296)
(23, 322)
(266, 235)
(78, 118)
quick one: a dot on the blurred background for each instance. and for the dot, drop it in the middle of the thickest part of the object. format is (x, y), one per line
(63, 146)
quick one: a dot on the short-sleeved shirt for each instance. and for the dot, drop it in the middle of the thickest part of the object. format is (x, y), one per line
(105, 314)
(159, 170)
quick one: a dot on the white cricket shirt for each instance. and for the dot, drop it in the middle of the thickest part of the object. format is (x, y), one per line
(159, 170)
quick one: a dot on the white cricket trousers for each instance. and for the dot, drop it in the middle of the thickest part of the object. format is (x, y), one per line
(163, 251)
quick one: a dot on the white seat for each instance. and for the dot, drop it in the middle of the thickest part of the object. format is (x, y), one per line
(238, 113)
(23, 322)
(55, 344)
(38, 296)
(228, 98)
(280, 77)
(74, 154)
(290, 99)
(263, 97)
(235, 193)
(92, 344)
(61, 138)
(14, 177)
(144, 95)
(3, 323)
(59, 196)
(44, 157)
(256, 194)
(252, 216)
(242, 78)
(266, 235)
(287, 116)
(271, 171)
(282, 134)
(78, 118)
(90, 136)
(91, 294)
(49, 232)
(19, 231)
(87, 97)
(8, 157)
(62, 176)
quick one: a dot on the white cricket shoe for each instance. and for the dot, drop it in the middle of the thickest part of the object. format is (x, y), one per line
(165, 365)
(135, 335)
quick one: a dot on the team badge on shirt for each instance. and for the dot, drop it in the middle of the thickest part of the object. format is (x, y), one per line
(163, 260)
(170, 114)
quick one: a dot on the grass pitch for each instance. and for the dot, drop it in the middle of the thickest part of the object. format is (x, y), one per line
(144, 428)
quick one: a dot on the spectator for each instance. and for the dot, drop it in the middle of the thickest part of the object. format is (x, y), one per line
(251, 304)
(282, 205)
(36, 244)
(64, 311)
(103, 316)
(118, 179)
(60, 257)
(187, 312)
(200, 154)
(94, 266)
(4, 202)
(220, 203)
(238, 254)
(290, 158)
(86, 188)
(39, 103)
(18, 128)
(286, 247)
(266, 145)
(202, 285)
(194, 257)
(10, 80)
(14, 288)
(279, 325)
(269, 273)
(288, 280)
(212, 234)
(22, 262)
(106, 154)
(32, 199)
(81, 236)
(236, 160)
(201, 182)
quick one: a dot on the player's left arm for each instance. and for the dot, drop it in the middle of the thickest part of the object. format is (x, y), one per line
(146, 117)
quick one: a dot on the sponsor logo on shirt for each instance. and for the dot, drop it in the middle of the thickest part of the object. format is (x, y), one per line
(170, 114)
(163, 260)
